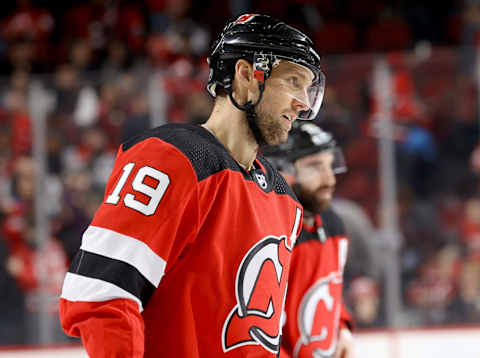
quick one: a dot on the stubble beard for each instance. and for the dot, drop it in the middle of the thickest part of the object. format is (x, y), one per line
(270, 127)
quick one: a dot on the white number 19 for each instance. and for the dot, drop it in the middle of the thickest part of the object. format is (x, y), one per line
(155, 194)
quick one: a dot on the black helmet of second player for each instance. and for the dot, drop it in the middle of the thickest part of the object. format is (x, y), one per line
(305, 138)
(264, 41)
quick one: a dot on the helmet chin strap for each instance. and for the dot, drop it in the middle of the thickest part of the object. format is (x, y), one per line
(262, 67)
(249, 109)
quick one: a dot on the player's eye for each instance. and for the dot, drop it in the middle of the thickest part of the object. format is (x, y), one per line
(293, 81)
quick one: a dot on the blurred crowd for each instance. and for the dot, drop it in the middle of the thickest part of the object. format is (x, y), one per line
(109, 69)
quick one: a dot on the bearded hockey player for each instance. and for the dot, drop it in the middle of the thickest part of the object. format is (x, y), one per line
(189, 254)
(317, 323)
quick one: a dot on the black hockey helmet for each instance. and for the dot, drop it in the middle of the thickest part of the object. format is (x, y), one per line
(263, 41)
(305, 138)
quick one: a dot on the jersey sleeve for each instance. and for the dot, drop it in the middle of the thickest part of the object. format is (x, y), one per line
(149, 214)
(112, 328)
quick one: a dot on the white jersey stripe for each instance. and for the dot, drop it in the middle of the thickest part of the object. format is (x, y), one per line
(121, 247)
(86, 289)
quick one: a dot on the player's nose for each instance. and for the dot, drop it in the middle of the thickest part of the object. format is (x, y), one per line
(299, 105)
(330, 177)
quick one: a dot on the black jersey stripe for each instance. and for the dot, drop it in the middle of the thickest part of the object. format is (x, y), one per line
(114, 271)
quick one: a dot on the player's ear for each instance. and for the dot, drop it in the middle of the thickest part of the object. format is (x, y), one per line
(243, 82)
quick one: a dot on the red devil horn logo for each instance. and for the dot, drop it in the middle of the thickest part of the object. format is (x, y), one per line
(261, 285)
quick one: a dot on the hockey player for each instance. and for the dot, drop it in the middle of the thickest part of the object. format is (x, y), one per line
(317, 323)
(188, 255)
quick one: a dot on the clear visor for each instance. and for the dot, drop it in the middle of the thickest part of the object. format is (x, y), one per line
(339, 165)
(310, 97)
(305, 171)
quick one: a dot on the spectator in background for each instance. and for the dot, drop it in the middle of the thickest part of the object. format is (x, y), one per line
(198, 107)
(27, 32)
(12, 309)
(417, 155)
(93, 153)
(76, 103)
(157, 18)
(138, 119)
(131, 25)
(55, 145)
(83, 60)
(6, 197)
(92, 20)
(118, 61)
(415, 144)
(467, 306)
(159, 52)
(66, 87)
(364, 257)
(28, 21)
(20, 55)
(18, 120)
(19, 82)
(178, 85)
(184, 36)
(470, 229)
(337, 118)
(364, 298)
(469, 37)
(23, 250)
(434, 288)
(76, 211)
(16, 224)
(117, 100)
(420, 239)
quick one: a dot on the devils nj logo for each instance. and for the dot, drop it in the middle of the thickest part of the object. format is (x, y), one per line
(244, 18)
(261, 285)
(319, 312)
(318, 318)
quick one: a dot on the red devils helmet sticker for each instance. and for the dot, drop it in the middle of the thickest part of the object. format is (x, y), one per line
(261, 284)
(244, 18)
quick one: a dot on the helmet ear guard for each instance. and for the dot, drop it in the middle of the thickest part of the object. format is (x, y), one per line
(262, 66)
(262, 69)
(224, 74)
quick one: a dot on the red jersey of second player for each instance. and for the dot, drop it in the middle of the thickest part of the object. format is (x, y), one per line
(314, 307)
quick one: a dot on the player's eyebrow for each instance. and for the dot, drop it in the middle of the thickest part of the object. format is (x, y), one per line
(300, 74)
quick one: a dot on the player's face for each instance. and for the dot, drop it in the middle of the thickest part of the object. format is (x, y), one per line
(284, 97)
(314, 174)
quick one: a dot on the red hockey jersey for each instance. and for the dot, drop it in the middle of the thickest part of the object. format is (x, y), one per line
(188, 256)
(314, 306)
